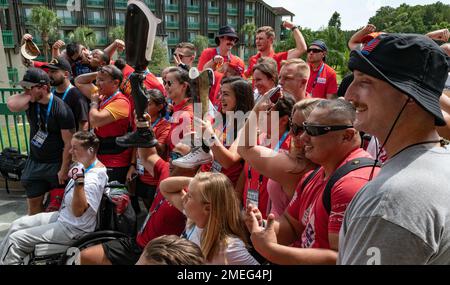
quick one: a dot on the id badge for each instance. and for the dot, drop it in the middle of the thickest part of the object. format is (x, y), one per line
(252, 197)
(145, 222)
(39, 139)
(139, 167)
(216, 167)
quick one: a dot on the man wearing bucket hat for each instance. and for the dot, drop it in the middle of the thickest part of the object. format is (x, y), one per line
(403, 215)
(215, 57)
(322, 81)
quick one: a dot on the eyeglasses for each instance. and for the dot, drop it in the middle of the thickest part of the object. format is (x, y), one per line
(296, 129)
(313, 50)
(168, 82)
(181, 56)
(317, 130)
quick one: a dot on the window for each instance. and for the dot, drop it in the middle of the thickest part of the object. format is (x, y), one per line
(171, 2)
(172, 34)
(95, 15)
(192, 19)
(232, 20)
(212, 20)
(120, 17)
(248, 6)
(211, 36)
(212, 4)
(171, 18)
(231, 4)
(192, 35)
(64, 14)
(193, 3)
(27, 12)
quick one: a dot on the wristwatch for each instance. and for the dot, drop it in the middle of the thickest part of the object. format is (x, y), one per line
(293, 28)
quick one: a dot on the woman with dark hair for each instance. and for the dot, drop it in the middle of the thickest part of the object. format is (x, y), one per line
(265, 76)
(237, 100)
(145, 185)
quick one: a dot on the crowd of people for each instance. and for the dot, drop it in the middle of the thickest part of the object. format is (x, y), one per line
(291, 167)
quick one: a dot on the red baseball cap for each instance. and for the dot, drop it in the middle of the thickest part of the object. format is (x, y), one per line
(238, 65)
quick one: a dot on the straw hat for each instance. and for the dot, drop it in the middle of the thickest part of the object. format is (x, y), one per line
(29, 50)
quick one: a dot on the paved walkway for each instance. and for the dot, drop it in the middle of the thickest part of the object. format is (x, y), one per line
(12, 206)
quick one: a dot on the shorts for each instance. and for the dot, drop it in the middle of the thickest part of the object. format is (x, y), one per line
(118, 174)
(38, 177)
(145, 191)
(122, 251)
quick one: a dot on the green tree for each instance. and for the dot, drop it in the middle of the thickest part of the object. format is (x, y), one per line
(45, 22)
(335, 21)
(200, 42)
(85, 36)
(160, 57)
(249, 31)
(117, 32)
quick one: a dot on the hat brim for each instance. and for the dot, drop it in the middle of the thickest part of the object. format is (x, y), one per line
(25, 54)
(424, 97)
(232, 35)
(27, 84)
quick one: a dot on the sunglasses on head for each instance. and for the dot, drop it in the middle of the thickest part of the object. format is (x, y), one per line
(318, 130)
(168, 82)
(314, 50)
(295, 129)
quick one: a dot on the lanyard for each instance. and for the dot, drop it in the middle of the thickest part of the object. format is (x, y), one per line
(228, 55)
(109, 98)
(156, 122)
(146, 72)
(49, 107)
(260, 179)
(317, 77)
(72, 182)
(65, 92)
(90, 166)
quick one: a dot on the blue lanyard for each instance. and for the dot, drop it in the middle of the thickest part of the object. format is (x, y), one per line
(49, 108)
(65, 92)
(228, 55)
(317, 77)
(283, 138)
(90, 166)
(156, 122)
(107, 100)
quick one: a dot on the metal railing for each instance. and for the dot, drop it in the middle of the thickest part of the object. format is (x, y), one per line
(14, 127)
(4, 4)
(8, 38)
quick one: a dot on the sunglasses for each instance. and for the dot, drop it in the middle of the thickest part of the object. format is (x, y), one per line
(181, 56)
(317, 130)
(30, 88)
(168, 82)
(314, 50)
(295, 129)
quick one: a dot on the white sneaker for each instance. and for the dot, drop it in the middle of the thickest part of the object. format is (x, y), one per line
(195, 158)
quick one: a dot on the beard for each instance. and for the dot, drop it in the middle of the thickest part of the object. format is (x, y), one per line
(56, 81)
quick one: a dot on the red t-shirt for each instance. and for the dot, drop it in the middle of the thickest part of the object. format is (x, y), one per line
(119, 107)
(257, 182)
(181, 122)
(307, 207)
(162, 130)
(164, 218)
(279, 57)
(214, 92)
(208, 54)
(326, 82)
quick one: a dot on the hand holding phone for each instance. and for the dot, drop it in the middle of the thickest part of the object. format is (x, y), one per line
(275, 94)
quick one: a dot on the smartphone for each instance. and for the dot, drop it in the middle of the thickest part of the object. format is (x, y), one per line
(275, 94)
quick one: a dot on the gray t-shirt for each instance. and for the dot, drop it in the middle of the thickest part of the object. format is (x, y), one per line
(403, 215)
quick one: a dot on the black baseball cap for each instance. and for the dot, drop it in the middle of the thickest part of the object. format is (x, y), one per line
(320, 44)
(413, 64)
(59, 63)
(34, 76)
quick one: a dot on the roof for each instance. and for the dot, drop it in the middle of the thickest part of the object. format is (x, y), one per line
(280, 11)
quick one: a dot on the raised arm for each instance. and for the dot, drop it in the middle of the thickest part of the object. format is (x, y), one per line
(18, 103)
(300, 44)
(85, 85)
(355, 40)
(112, 48)
(172, 189)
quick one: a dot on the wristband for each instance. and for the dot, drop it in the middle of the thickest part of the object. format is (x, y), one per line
(293, 28)
(93, 105)
(79, 181)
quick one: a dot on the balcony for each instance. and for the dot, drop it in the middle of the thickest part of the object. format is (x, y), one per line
(213, 26)
(4, 4)
(173, 41)
(121, 4)
(212, 42)
(96, 3)
(232, 11)
(69, 21)
(60, 2)
(96, 22)
(232, 23)
(8, 38)
(193, 9)
(120, 21)
(13, 75)
(172, 25)
(171, 8)
(213, 10)
(194, 26)
(32, 1)
(151, 4)
(249, 13)
(102, 42)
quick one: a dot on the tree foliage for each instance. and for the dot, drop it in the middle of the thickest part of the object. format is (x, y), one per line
(335, 21)
(160, 57)
(200, 42)
(45, 22)
(85, 36)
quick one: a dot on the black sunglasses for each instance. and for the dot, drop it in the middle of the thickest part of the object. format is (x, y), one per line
(168, 82)
(314, 50)
(181, 56)
(317, 130)
(295, 129)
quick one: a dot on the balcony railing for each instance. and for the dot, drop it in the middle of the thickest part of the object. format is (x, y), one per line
(212, 42)
(96, 3)
(232, 11)
(172, 25)
(213, 26)
(8, 38)
(13, 75)
(193, 25)
(96, 22)
(171, 8)
(120, 21)
(249, 13)
(4, 4)
(193, 9)
(173, 41)
(214, 10)
(151, 4)
(32, 1)
(121, 4)
(60, 2)
(69, 21)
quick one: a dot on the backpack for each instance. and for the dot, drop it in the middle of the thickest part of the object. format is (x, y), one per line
(345, 169)
(12, 163)
(116, 212)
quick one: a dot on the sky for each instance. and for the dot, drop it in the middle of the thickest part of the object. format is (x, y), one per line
(355, 14)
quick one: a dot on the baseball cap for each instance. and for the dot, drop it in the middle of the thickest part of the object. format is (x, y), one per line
(59, 63)
(238, 65)
(320, 44)
(34, 76)
(413, 64)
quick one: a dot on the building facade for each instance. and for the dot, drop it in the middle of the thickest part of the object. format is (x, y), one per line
(183, 20)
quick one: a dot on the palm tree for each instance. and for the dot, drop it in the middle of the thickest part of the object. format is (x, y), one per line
(200, 42)
(249, 30)
(84, 36)
(46, 23)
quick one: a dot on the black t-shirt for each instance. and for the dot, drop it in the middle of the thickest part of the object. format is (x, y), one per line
(77, 103)
(61, 118)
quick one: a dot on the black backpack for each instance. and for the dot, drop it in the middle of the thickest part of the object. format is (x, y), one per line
(350, 166)
(12, 163)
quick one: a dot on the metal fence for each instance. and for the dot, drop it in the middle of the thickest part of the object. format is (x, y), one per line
(14, 127)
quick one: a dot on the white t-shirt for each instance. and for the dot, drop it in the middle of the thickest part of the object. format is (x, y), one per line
(95, 181)
(234, 254)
